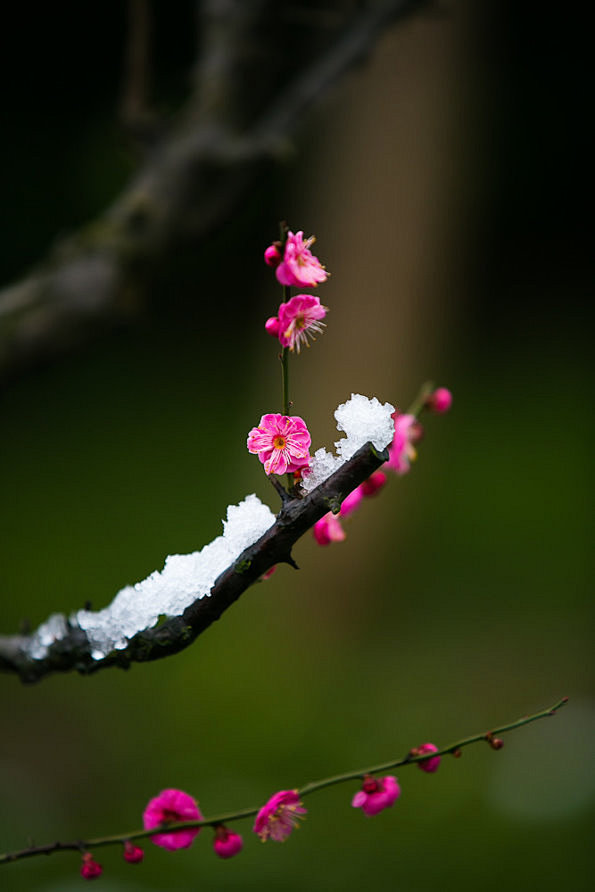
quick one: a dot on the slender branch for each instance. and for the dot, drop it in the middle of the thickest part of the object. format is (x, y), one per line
(297, 516)
(306, 790)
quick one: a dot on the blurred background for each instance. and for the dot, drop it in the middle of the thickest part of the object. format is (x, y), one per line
(445, 179)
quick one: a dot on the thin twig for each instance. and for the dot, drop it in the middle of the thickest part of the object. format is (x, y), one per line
(306, 790)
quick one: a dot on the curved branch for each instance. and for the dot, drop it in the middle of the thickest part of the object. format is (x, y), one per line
(73, 652)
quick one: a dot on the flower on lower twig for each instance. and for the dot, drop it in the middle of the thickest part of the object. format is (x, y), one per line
(90, 869)
(281, 443)
(226, 843)
(376, 794)
(299, 267)
(297, 320)
(279, 816)
(429, 765)
(439, 401)
(402, 451)
(172, 806)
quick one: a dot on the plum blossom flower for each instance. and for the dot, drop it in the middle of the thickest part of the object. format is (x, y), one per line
(171, 806)
(402, 451)
(328, 529)
(279, 816)
(299, 319)
(90, 869)
(299, 266)
(281, 442)
(133, 854)
(376, 794)
(227, 843)
(429, 765)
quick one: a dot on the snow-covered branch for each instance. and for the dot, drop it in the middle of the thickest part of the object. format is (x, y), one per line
(67, 646)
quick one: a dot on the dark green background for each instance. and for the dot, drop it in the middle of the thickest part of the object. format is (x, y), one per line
(461, 598)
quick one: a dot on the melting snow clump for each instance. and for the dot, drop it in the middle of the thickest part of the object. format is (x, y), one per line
(184, 579)
(363, 420)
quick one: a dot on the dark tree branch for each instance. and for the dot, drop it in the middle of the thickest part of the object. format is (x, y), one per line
(296, 517)
(187, 187)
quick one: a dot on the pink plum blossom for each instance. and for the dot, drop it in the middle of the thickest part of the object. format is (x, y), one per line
(279, 816)
(281, 442)
(402, 451)
(376, 794)
(133, 854)
(429, 765)
(227, 843)
(299, 319)
(328, 529)
(299, 266)
(90, 869)
(172, 806)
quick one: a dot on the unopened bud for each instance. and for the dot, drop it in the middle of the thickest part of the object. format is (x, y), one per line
(90, 869)
(133, 854)
(495, 742)
(272, 326)
(457, 753)
(439, 401)
(374, 483)
(272, 255)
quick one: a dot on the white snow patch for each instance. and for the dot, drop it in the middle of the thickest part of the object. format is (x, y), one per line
(363, 420)
(184, 579)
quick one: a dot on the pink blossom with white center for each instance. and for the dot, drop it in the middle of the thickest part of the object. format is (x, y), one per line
(299, 266)
(299, 319)
(281, 442)
(279, 816)
(227, 843)
(172, 806)
(402, 451)
(429, 765)
(376, 794)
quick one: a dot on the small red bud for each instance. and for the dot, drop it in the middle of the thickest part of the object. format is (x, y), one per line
(133, 854)
(439, 401)
(90, 869)
(457, 753)
(495, 742)
(272, 255)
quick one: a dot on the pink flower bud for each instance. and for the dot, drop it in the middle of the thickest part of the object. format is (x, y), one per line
(268, 573)
(133, 854)
(226, 843)
(90, 869)
(272, 256)
(429, 765)
(272, 326)
(374, 483)
(440, 401)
